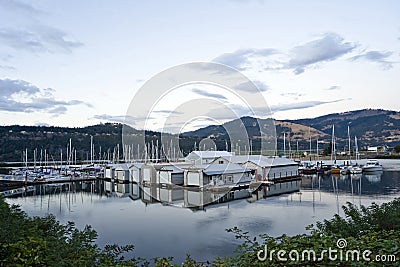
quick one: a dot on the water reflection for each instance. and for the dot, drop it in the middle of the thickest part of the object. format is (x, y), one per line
(128, 214)
(374, 177)
(195, 198)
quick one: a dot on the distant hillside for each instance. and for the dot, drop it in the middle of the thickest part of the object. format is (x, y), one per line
(372, 127)
(15, 139)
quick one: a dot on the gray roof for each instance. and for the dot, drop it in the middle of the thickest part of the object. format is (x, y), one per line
(210, 154)
(123, 167)
(137, 165)
(175, 168)
(213, 169)
(262, 161)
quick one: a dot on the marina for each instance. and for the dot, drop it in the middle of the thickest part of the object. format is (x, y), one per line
(127, 213)
(190, 202)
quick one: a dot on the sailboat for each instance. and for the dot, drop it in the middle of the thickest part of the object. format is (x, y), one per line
(346, 169)
(335, 168)
(356, 169)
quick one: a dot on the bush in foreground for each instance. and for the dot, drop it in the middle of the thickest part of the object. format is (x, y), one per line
(35, 241)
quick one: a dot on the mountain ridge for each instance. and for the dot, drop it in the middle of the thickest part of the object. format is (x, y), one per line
(372, 127)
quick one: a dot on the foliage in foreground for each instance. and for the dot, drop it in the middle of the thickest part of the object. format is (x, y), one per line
(375, 228)
(34, 241)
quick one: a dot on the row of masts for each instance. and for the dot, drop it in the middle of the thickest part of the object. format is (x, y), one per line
(333, 148)
(154, 152)
(151, 151)
(333, 154)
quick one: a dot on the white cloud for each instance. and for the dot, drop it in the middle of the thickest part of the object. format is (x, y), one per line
(301, 105)
(240, 58)
(23, 30)
(253, 87)
(22, 96)
(208, 94)
(333, 88)
(380, 57)
(328, 47)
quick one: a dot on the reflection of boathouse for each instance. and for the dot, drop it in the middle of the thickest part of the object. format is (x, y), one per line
(279, 188)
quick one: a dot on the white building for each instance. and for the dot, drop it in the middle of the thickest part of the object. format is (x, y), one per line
(135, 173)
(171, 174)
(121, 173)
(149, 173)
(265, 168)
(218, 173)
(205, 157)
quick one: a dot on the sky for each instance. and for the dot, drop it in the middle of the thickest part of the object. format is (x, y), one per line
(78, 63)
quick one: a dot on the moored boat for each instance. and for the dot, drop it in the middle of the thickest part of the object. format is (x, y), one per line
(335, 169)
(355, 170)
(372, 166)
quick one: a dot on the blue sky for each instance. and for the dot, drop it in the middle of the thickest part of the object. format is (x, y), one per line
(77, 63)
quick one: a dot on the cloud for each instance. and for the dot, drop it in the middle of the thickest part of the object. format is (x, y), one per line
(23, 30)
(16, 6)
(327, 48)
(167, 112)
(44, 124)
(7, 67)
(41, 39)
(379, 57)
(22, 96)
(333, 88)
(110, 118)
(293, 95)
(252, 87)
(208, 94)
(301, 105)
(241, 57)
(130, 120)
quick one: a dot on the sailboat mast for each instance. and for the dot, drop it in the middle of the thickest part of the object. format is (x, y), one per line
(348, 134)
(70, 152)
(91, 149)
(355, 143)
(333, 143)
(309, 133)
(26, 158)
(284, 144)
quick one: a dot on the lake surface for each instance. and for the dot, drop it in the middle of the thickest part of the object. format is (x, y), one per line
(125, 214)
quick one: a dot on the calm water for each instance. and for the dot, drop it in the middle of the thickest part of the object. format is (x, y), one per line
(127, 216)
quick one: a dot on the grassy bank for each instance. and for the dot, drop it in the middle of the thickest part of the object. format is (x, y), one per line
(35, 241)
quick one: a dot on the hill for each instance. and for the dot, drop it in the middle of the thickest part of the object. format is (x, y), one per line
(372, 127)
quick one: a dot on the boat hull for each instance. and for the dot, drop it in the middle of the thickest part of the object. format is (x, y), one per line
(372, 169)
